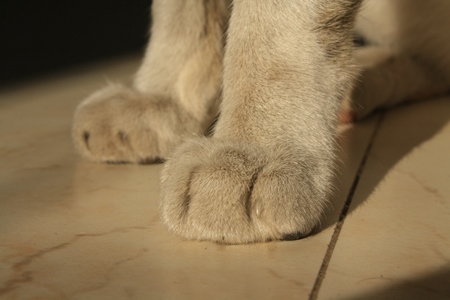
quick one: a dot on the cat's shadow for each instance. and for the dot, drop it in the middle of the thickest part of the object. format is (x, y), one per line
(400, 131)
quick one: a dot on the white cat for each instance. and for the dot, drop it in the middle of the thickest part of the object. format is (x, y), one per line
(279, 70)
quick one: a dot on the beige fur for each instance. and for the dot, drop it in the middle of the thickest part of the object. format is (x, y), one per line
(409, 53)
(175, 92)
(265, 173)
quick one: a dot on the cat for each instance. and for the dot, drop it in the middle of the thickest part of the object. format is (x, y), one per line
(277, 71)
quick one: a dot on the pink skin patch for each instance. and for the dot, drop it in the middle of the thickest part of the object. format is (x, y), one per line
(346, 116)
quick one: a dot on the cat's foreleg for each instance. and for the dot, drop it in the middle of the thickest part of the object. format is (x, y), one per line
(265, 174)
(175, 91)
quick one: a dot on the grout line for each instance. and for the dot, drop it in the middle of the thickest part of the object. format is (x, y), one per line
(337, 230)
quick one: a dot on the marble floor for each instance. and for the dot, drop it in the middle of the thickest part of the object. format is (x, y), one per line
(71, 229)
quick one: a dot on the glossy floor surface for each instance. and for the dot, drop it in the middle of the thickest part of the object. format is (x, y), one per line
(71, 229)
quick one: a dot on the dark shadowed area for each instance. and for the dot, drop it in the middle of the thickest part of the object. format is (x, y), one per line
(40, 37)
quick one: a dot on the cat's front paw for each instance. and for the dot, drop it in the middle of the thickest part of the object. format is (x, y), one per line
(230, 192)
(118, 124)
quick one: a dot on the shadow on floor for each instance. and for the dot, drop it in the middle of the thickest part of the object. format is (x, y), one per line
(434, 286)
(401, 131)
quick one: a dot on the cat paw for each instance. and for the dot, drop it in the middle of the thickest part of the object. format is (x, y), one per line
(118, 124)
(234, 193)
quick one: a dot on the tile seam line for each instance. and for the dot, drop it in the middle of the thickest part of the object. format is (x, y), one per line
(337, 229)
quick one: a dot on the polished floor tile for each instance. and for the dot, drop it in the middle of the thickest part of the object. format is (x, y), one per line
(395, 241)
(71, 229)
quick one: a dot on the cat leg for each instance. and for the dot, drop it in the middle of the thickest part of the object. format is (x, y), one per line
(387, 79)
(175, 91)
(265, 174)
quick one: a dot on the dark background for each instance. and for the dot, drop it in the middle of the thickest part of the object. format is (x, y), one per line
(44, 36)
